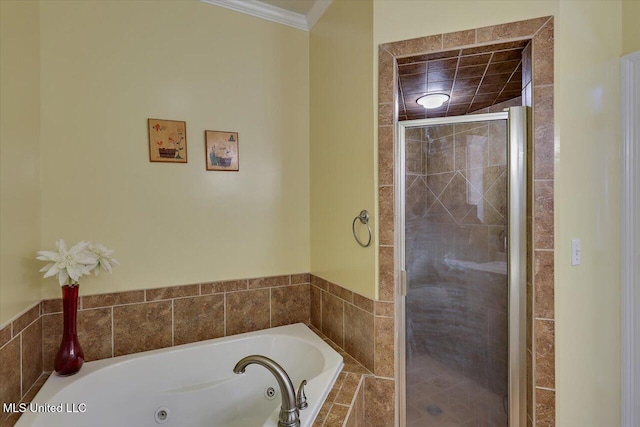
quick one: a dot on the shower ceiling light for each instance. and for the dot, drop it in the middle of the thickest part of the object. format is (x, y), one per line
(433, 100)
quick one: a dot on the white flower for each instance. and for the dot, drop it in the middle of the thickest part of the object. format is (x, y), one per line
(68, 264)
(103, 256)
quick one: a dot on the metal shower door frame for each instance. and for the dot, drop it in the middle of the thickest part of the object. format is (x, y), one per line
(516, 118)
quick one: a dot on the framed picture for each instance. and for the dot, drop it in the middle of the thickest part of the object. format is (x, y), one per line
(167, 141)
(221, 150)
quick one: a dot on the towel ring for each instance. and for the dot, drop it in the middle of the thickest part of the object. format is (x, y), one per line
(364, 219)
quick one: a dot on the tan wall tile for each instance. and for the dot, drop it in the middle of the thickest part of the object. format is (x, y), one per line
(386, 266)
(26, 319)
(358, 335)
(31, 354)
(386, 309)
(198, 318)
(511, 30)
(247, 311)
(316, 306)
(543, 56)
(543, 144)
(414, 46)
(320, 283)
(94, 335)
(269, 282)
(107, 300)
(337, 415)
(340, 292)
(384, 341)
(458, 39)
(386, 226)
(299, 279)
(527, 65)
(333, 318)
(348, 390)
(545, 408)
(363, 302)
(141, 327)
(172, 292)
(543, 215)
(543, 98)
(52, 306)
(386, 114)
(9, 372)
(386, 65)
(226, 286)
(545, 353)
(5, 335)
(290, 304)
(379, 396)
(544, 293)
(385, 155)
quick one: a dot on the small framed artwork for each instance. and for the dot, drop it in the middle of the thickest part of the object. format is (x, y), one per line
(221, 150)
(167, 141)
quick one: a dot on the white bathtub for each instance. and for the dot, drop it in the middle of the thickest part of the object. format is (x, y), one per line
(194, 384)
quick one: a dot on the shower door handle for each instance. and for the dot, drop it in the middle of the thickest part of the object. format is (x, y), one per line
(403, 283)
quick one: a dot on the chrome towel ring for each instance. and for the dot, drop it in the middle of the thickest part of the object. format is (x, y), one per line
(364, 219)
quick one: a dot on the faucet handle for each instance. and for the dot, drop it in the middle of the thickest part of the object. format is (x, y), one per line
(301, 397)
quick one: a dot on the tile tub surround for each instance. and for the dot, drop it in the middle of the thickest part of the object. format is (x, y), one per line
(538, 80)
(134, 321)
(20, 359)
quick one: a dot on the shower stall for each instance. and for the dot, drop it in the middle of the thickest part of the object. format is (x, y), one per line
(461, 199)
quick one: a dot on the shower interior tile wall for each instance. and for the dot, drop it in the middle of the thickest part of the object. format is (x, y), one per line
(456, 217)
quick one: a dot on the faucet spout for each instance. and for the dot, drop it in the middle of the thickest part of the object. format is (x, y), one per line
(289, 414)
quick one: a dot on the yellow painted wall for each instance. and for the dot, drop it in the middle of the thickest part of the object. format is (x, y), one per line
(107, 66)
(588, 46)
(342, 144)
(587, 207)
(630, 26)
(19, 156)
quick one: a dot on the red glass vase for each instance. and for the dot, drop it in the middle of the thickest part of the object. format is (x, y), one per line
(70, 356)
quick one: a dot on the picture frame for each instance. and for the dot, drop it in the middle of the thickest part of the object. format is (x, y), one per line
(167, 141)
(221, 151)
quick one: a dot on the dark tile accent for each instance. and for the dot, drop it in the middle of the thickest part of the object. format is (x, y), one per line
(226, 286)
(107, 300)
(26, 319)
(333, 318)
(172, 292)
(359, 335)
(247, 311)
(290, 304)
(198, 318)
(141, 327)
(315, 295)
(269, 282)
(31, 354)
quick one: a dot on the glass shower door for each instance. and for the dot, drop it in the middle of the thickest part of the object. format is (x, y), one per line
(456, 258)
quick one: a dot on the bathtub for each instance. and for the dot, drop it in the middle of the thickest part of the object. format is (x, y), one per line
(191, 385)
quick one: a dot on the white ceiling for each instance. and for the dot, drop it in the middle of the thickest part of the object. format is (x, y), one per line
(301, 14)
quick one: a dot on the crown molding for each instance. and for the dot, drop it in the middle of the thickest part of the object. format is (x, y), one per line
(275, 14)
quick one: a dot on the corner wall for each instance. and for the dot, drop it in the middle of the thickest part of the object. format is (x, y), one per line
(20, 158)
(108, 66)
(342, 145)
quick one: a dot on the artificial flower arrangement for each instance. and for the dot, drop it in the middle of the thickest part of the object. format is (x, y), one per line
(69, 265)
(80, 260)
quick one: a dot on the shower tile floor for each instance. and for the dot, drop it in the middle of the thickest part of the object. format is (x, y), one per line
(440, 396)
